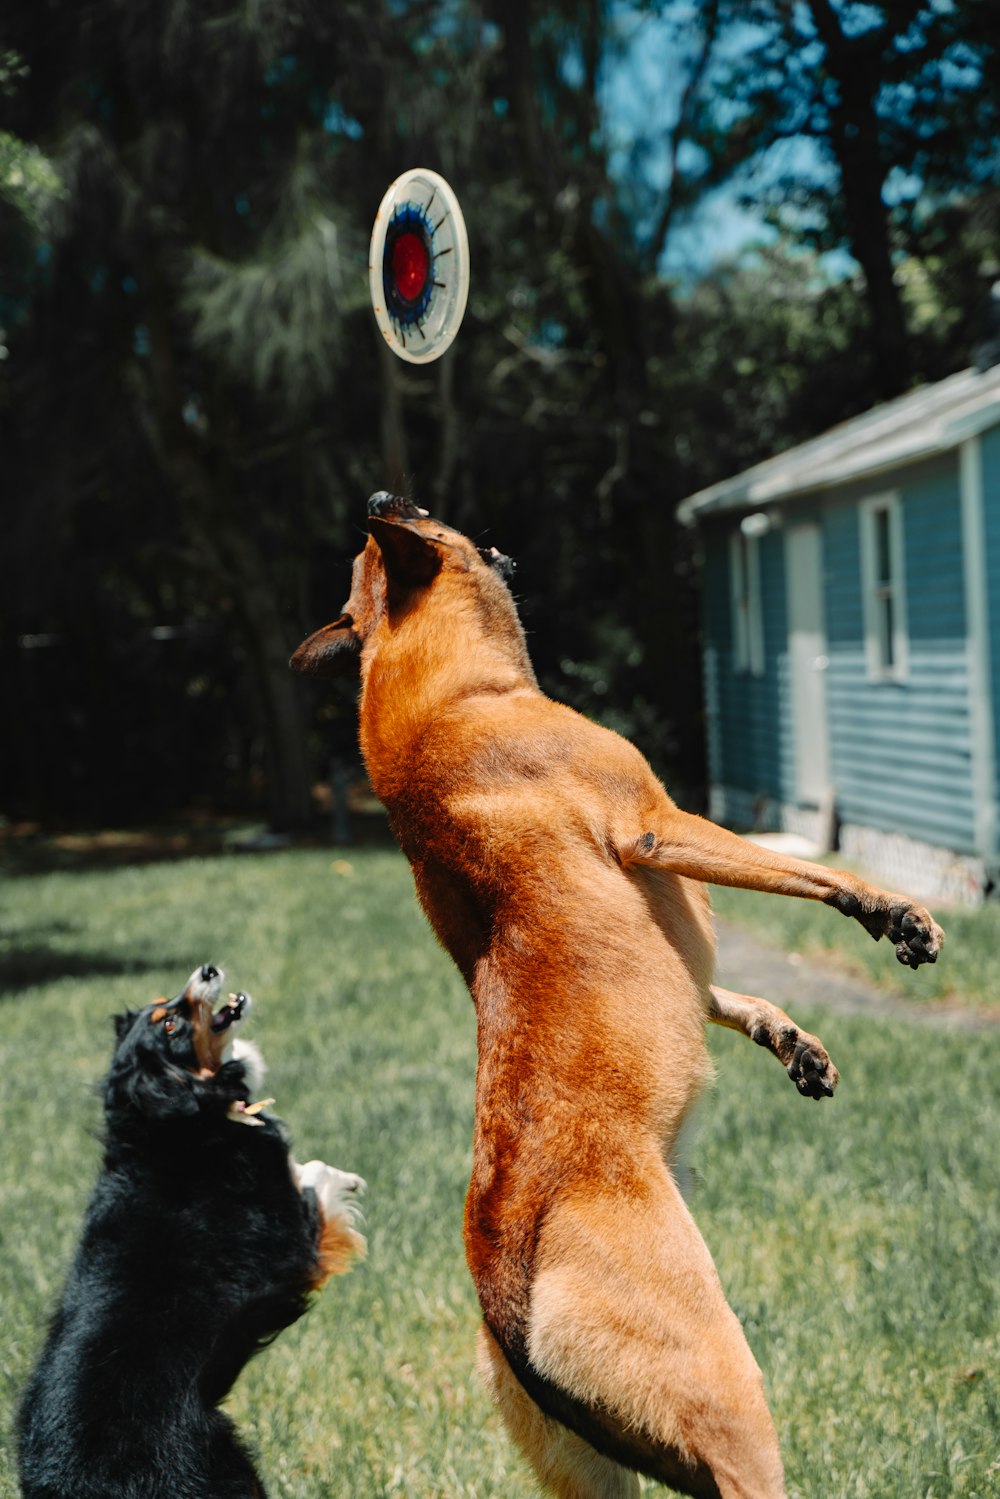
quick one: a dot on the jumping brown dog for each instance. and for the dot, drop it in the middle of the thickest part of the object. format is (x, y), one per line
(570, 891)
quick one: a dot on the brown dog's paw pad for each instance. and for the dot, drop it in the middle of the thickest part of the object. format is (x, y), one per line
(811, 1069)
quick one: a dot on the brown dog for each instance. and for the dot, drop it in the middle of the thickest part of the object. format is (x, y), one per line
(570, 891)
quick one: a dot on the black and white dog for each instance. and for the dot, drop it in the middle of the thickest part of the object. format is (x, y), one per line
(202, 1240)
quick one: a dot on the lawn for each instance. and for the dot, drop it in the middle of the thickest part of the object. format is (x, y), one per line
(964, 972)
(859, 1239)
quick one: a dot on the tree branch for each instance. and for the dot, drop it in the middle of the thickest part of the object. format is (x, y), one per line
(688, 96)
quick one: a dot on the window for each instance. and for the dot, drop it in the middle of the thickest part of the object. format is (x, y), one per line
(883, 588)
(745, 604)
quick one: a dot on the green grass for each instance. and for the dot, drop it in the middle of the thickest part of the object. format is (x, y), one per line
(964, 973)
(859, 1240)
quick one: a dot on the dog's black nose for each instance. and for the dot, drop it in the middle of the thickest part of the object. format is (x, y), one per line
(208, 972)
(383, 503)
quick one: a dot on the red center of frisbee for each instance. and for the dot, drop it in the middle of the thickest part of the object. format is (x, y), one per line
(409, 265)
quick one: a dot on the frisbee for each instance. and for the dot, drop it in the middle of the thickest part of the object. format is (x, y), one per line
(418, 266)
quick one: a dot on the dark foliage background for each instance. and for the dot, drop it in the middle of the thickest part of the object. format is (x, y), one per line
(195, 402)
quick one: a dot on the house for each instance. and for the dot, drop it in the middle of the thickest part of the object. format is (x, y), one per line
(851, 626)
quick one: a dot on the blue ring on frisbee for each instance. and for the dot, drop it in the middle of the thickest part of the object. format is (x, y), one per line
(408, 265)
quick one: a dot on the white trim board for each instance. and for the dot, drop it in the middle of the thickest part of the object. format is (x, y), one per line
(887, 654)
(977, 635)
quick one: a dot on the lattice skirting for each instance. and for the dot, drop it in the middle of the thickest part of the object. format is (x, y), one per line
(891, 859)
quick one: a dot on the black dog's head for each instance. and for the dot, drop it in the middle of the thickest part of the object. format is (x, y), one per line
(174, 1058)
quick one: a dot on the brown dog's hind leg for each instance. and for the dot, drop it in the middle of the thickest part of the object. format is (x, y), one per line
(701, 850)
(805, 1058)
(629, 1323)
(564, 1463)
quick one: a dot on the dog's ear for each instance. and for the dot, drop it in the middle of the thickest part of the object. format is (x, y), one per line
(411, 557)
(142, 1080)
(330, 652)
(165, 1094)
(123, 1024)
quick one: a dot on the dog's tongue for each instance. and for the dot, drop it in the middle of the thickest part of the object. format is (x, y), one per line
(233, 1010)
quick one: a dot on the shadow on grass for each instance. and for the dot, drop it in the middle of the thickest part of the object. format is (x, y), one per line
(28, 849)
(34, 960)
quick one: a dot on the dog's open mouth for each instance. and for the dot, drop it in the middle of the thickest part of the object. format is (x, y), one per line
(232, 1011)
(211, 1026)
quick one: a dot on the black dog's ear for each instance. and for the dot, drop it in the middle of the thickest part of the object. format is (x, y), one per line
(123, 1024)
(158, 1090)
(169, 1094)
(410, 556)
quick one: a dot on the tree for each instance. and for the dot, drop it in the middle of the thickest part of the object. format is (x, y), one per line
(552, 68)
(192, 299)
(197, 402)
(880, 112)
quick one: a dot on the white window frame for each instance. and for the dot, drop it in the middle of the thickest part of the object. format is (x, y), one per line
(887, 641)
(745, 604)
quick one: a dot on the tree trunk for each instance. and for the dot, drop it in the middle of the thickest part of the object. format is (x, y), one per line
(854, 136)
(395, 453)
(638, 487)
(206, 515)
(269, 648)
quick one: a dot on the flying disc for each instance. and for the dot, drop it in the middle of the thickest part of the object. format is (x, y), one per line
(418, 266)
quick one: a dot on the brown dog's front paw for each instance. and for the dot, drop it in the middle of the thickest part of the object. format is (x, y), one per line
(911, 929)
(915, 934)
(811, 1069)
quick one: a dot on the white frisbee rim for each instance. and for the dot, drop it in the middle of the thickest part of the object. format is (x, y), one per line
(427, 340)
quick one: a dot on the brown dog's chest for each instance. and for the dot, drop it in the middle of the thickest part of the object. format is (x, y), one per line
(511, 812)
(462, 919)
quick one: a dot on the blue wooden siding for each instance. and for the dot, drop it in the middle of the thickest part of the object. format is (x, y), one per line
(990, 452)
(900, 752)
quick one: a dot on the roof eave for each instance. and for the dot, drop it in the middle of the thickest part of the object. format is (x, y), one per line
(866, 448)
(747, 494)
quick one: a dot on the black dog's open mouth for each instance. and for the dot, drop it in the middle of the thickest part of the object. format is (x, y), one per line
(232, 1011)
(210, 1025)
